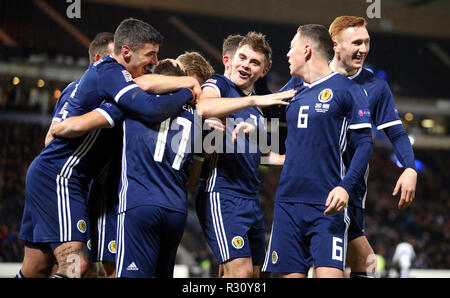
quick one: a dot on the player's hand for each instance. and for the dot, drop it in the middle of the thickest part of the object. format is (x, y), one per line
(243, 126)
(407, 183)
(197, 91)
(215, 123)
(175, 63)
(192, 83)
(275, 98)
(337, 201)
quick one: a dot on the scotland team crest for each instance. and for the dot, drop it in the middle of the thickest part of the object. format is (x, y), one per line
(325, 95)
(274, 257)
(237, 242)
(81, 225)
(112, 246)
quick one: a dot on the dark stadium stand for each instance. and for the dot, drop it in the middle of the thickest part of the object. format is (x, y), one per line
(408, 61)
(411, 66)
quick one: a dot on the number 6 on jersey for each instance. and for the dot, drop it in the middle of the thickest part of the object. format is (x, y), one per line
(302, 117)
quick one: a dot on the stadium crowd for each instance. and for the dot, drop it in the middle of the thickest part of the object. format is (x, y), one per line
(426, 221)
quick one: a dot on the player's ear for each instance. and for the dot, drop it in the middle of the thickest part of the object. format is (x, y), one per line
(335, 45)
(97, 57)
(225, 60)
(125, 52)
(308, 52)
(266, 70)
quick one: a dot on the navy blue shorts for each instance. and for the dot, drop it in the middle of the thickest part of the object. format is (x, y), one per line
(102, 205)
(233, 227)
(147, 241)
(356, 228)
(303, 236)
(55, 208)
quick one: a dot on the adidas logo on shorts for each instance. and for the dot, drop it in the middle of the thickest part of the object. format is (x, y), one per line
(132, 267)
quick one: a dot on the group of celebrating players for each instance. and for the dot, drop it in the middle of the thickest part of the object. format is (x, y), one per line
(122, 152)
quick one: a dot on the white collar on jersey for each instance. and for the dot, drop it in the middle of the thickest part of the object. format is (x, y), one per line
(310, 85)
(355, 75)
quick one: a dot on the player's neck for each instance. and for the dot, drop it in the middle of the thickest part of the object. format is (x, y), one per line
(316, 72)
(247, 90)
(339, 67)
(120, 60)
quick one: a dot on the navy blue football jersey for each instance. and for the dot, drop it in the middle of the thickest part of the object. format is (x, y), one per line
(293, 83)
(235, 171)
(319, 119)
(105, 83)
(383, 113)
(156, 160)
(60, 113)
(85, 156)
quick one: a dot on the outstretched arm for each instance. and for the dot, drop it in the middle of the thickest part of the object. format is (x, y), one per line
(211, 105)
(161, 84)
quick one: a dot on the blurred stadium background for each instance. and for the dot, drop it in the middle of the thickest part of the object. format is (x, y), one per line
(42, 50)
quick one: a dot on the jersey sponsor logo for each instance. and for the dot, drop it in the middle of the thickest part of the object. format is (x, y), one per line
(237, 242)
(112, 246)
(81, 225)
(322, 107)
(127, 76)
(274, 257)
(211, 81)
(325, 95)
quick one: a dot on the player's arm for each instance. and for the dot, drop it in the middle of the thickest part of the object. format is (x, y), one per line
(338, 198)
(210, 104)
(270, 158)
(76, 126)
(387, 119)
(160, 84)
(408, 179)
(146, 107)
(152, 108)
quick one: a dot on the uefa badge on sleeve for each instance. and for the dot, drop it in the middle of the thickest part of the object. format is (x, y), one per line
(127, 76)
